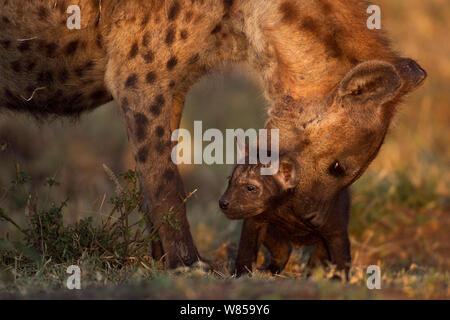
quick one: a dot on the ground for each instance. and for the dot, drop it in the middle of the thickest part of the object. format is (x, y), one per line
(400, 213)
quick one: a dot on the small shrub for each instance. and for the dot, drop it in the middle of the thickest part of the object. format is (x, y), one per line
(122, 238)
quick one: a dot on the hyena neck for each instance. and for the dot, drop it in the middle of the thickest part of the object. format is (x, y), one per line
(302, 49)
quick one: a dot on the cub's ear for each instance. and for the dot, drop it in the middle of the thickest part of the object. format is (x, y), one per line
(288, 175)
(370, 83)
(412, 73)
(247, 152)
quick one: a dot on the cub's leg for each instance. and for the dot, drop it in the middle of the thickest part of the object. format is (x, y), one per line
(335, 250)
(320, 256)
(339, 249)
(336, 236)
(252, 236)
(335, 233)
(279, 248)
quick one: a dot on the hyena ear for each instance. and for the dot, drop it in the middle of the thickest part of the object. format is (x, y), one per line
(247, 153)
(288, 175)
(412, 73)
(372, 82)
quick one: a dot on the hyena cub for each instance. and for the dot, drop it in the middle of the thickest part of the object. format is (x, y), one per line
(276, 218)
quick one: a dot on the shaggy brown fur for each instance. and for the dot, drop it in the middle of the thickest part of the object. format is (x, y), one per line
(145, 54)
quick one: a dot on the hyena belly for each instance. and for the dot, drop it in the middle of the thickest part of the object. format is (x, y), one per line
(46, 68)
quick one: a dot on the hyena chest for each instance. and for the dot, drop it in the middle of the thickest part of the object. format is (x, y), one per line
(291, 226)
(47, 68)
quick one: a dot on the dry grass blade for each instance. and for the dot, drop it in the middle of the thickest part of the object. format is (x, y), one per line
(113, 178)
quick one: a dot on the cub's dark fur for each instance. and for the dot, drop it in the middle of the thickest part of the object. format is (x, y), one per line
(276, 218)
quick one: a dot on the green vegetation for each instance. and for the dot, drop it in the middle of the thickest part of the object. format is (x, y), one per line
(120, 238)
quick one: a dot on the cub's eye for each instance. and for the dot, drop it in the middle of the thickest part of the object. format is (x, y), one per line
(251, 188)
(336, 170)
(357, 91)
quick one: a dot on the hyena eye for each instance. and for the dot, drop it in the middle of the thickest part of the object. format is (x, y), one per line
(336, 170)
(251, 188)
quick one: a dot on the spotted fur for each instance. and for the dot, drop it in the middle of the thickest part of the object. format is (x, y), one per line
(146, 54)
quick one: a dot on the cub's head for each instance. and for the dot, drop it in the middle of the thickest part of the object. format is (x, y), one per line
(250, 193)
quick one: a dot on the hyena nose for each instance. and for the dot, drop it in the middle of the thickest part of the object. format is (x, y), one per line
(223, 204)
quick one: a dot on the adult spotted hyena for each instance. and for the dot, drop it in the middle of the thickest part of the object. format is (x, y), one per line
(145, 54)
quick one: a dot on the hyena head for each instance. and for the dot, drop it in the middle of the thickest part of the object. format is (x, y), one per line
(335, 140)
(249, 193)
(332, 85)
(328, 147)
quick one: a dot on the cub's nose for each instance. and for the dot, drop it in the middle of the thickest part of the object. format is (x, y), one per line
(223, 204)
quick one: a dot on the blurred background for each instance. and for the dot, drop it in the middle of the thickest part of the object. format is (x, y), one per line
(401, 206)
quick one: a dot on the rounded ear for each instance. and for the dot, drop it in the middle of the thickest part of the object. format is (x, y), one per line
(412, 73)
(372, 82)
(247, 152)
(288, 175)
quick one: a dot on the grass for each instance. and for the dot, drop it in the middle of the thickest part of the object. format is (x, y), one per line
(114, 261)
(400, 207)
(136, 282)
